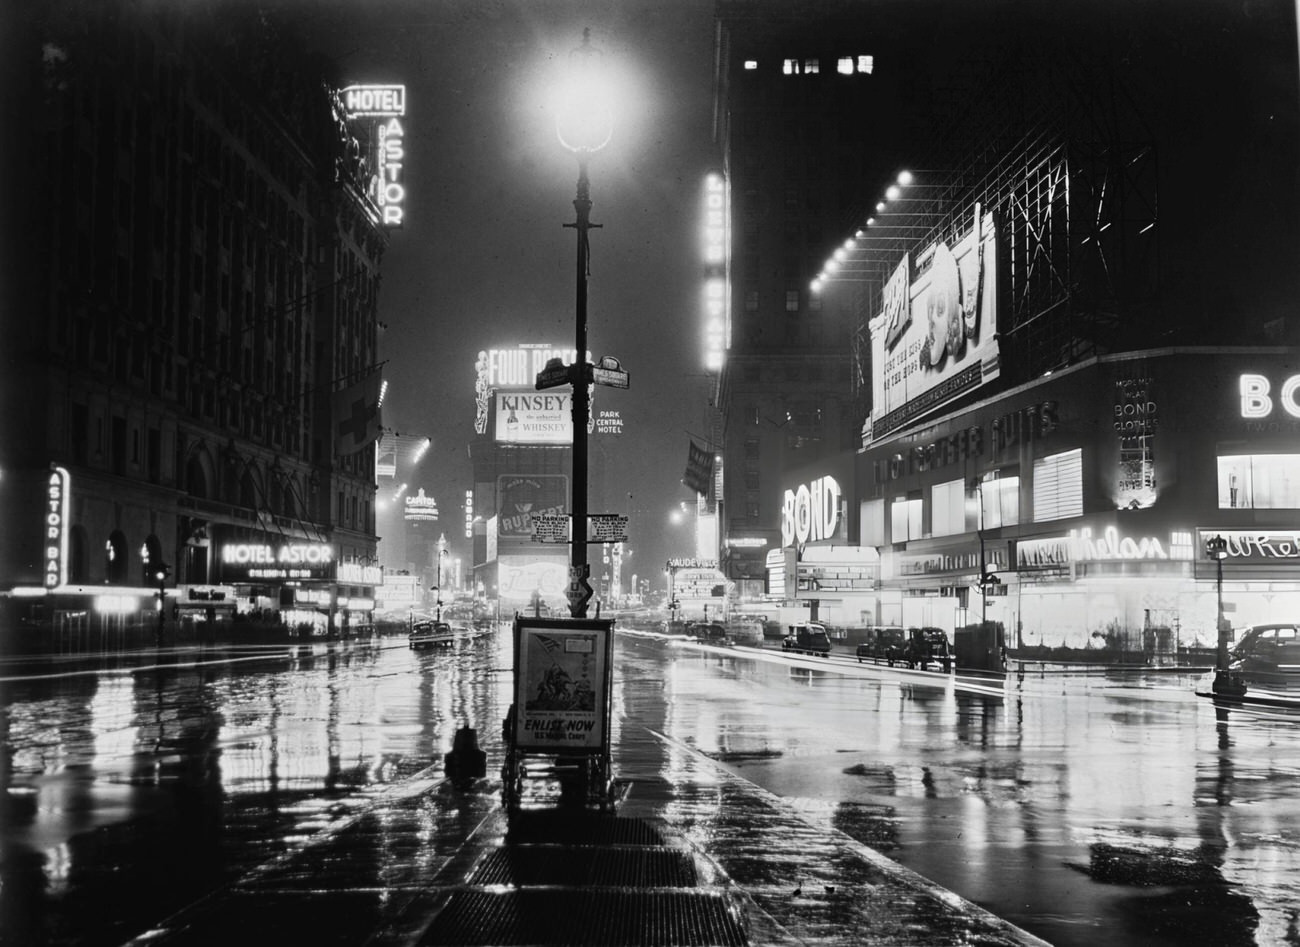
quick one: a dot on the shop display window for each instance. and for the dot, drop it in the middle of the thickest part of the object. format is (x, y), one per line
(999, 501)
(1058, 486)
(905, 520)
(948, 508)
(1259, 482)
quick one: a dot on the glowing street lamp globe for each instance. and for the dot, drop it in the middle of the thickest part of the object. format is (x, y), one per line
(584, 113)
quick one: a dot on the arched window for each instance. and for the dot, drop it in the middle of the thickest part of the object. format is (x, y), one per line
(116, 559)
(78, 556)
(151, 558)
(196, 480)
(248, 491)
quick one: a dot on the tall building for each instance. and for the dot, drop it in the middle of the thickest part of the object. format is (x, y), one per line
(1043, 388)
(809, 109)
(192, 273)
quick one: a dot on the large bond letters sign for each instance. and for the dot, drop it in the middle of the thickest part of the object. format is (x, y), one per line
(562, 685)
(811, 512)
(935, 336)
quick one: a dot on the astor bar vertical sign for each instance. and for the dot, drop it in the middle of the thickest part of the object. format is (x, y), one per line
(56, 527)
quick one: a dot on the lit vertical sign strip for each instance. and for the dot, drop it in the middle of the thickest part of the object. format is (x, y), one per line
(469, 514)
(387, 103)
(57, 488)
(717, 311)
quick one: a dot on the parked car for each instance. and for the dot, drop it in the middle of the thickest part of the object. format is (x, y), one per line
(430, 634)
(809, 638)
(884, 643)
(709, 632)
(1268, 656)
(924, 645)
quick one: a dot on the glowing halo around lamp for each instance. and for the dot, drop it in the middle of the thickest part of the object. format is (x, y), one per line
(584, 112)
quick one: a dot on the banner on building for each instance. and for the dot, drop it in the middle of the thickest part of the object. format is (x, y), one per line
(356, 415)
(699, 470)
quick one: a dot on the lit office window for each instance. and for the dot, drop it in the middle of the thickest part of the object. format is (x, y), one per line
(792, 300)
(1259, 482)
(1058, 486)
(751, 65)
(867, 64)
(905, 520)
(845, 66)
(790, 67)
(999, 501)
(948, 508)
(872, 523)
(811, 67)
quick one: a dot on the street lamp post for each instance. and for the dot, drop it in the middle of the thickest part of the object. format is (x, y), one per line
(584, 127)
(1216, 547)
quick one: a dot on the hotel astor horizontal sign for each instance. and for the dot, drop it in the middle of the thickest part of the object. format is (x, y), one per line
(255, 562)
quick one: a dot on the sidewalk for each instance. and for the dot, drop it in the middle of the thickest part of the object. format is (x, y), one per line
(697, 856)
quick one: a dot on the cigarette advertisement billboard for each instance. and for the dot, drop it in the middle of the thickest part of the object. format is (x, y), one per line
(935, 337)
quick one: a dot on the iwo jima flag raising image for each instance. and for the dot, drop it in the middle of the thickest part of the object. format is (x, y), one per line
(356, 414)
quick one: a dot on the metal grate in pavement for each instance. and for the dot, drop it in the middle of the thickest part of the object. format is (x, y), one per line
(581, 827)
(590, 917)
(636, 866)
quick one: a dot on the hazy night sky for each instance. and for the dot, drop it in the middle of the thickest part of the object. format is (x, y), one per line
(483, 260)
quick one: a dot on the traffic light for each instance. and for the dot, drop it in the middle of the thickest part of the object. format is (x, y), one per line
(989, 581)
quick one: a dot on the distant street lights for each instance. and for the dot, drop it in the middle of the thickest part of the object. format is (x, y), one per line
(584, 125)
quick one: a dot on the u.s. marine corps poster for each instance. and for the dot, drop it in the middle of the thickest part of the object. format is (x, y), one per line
(562, 681)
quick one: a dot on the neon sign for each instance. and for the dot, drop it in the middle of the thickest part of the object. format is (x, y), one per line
(57, 488)
(1262, 544)
(390, 193)
(810, 512)
(364, 101)
(1257, 400)
(421, 509)
(1081, 545)
(354, 573)
(716, 321)
(256, 561)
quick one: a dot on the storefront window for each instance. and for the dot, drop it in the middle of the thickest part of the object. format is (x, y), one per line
(905, 520)
(948, 508)
(999, 502)
(1058, 486)
(1259, 482)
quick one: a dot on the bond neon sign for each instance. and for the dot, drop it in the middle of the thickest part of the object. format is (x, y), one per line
(810, 512)
(1257, 400)
(57, 488)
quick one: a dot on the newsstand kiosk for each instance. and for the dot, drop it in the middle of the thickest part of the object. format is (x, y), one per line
(557, 731)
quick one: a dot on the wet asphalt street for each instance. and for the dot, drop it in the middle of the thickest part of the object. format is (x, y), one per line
(1084, 808)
